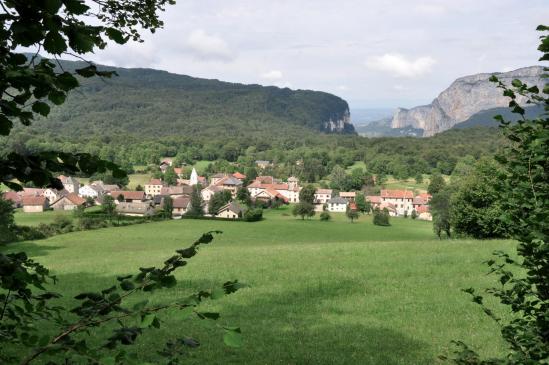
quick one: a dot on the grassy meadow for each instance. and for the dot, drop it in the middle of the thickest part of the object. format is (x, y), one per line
(320, 292)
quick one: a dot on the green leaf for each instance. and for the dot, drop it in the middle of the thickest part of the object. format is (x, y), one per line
(187, 312)
(147, 320)
(140, 305)
(127, 285)
(5, 125)
(75, 6)
(52, 6)
(88, 71)
(116, 35)
(41, 108)
(232, 337)
(208, 315)
(54, 43)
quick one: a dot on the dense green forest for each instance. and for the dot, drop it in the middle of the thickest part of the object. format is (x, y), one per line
(143, 115)
(152, 103)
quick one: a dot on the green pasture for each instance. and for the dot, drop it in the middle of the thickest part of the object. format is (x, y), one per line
(320, 292)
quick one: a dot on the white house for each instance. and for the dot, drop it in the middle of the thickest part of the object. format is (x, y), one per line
(289, 190)
(401, 199)
(54, 194)
(231, 210)
(209, 191)
(91, 191)
(337, 204)
(68, 202)
(34, 204)
(154, 187)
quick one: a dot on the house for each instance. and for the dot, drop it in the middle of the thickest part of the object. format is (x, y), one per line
(401, 199)
(71, 184)
(13, 197)
(391, 208)
(239, 176)
(374, 200)
(214, 179)
(106, 188)
(230, 183)
(176, 191)
(54, 194)
(424, 213)
(181, 206)
(129, 196)
(31, 192)
(154, 187)
(323, 195)
(263, 164)
(91, 191)
(165, 163)
(209, 191)
(231, 210)
(421, 200)
(350, 196)
(135, 209)
(178, 171)
(34, 204)
(289, 190)
(270, 194)
(68, 202)
(337, 204)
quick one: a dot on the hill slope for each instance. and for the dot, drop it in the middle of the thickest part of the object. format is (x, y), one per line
(156, 103)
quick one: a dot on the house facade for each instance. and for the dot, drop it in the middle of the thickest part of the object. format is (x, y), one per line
(34, 204)
(401, 199)
(181, 206)
(154, 187)
(91, 191)
(231, 210)
(135, 209)
(68, 202)
(337, 205)
(128, 196)
(71, 184)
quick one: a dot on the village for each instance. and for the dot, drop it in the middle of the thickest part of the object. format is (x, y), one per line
(267, 191)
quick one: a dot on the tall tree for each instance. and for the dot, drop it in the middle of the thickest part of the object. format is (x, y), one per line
(436, 183)
(440, 210)
(109, 206)
(197, 205)
(167, 207)
(29, 85)
(170, 177)
(218, 200)
(303, 209)
(525, 196)
(338, 178)
(7, 221)
(307, 194)
(351, 214)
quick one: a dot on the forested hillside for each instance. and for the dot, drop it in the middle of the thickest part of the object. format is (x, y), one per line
(145, 103)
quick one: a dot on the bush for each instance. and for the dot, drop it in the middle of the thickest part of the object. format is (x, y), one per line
(253, 215)
(25, 233)
(381, 217)
(325, 216)
(414, 214)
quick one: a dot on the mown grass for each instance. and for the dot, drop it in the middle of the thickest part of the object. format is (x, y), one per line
(34, 219)
(320, 292)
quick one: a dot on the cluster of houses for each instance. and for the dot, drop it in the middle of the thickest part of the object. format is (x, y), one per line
(262, 188)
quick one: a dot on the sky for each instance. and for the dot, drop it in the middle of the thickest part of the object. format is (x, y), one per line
(374, 54)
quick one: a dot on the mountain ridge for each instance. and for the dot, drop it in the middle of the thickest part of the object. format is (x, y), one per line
(465, 97)
(160, 103)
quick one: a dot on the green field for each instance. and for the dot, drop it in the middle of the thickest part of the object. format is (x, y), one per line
(34, 219)
(320, 292)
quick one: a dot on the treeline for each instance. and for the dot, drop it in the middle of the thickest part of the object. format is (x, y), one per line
(308, 155)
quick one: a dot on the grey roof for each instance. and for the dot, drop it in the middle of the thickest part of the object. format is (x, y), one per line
(338, 200)
(232, 181)
(134, 208)
(232, 206)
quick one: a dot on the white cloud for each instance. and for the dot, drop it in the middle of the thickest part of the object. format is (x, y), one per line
(399, 87)
(399, 65)
(272, 75)
(343, 88)
(209, 47)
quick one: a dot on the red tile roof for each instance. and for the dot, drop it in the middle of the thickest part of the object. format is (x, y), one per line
(34, 200)
(324, 191)
(75, 199)
(374, 199)
(397, 194)
(155, 182)
(129, 195)
(422, 209)
(240, 176)
(13, 196)
(178, 170)
(181, 203)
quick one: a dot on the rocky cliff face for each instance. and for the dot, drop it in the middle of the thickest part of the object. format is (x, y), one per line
(339, 123)
(465, 97)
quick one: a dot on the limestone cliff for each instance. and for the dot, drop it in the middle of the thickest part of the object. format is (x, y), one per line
(464, 98)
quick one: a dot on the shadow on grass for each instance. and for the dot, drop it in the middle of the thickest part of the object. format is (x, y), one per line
(303, 325)
(33, 249)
